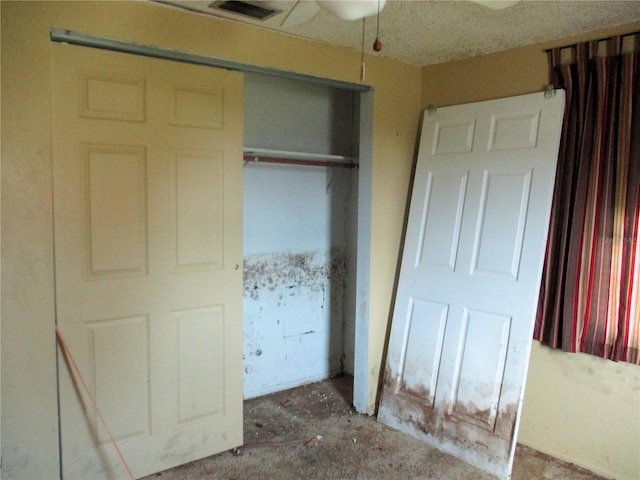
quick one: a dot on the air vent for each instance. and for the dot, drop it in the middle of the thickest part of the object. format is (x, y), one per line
(246, 9)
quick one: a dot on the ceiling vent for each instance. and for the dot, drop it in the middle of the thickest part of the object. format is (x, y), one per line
(246, 9)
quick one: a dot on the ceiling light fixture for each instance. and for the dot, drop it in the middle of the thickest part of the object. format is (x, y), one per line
(352, 9)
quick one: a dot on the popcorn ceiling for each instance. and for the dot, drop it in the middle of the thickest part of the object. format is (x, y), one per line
(425, 32)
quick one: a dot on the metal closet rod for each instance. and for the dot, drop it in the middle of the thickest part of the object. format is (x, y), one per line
(298, 161)
(104, 43)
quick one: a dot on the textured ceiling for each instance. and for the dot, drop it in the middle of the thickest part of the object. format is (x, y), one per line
(424, 32)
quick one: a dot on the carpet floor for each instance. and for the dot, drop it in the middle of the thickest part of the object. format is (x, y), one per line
(312, 432)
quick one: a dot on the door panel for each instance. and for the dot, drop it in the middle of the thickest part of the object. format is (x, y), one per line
(148, 239)
(469, 278)
(439, 235)
(502, 214)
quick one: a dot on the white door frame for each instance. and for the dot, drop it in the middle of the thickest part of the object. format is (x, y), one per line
(361, 379)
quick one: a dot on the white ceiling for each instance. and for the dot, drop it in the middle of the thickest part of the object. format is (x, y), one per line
(424, 32)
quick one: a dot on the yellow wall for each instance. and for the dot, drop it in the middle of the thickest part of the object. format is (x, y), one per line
(560, 386)
(29, 415)
(577, 407)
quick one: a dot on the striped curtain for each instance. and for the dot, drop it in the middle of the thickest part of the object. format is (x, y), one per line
(589, 296)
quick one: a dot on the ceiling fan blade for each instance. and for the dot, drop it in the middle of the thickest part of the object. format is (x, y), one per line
(301, 12)
(352, 9)
(496, 4)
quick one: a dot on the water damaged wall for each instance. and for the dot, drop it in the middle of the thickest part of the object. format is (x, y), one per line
(297, 286)
(299, 236)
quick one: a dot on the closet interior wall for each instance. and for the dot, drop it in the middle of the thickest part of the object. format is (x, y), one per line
(299, 235)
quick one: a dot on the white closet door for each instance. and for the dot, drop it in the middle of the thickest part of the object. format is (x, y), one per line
(470, 274)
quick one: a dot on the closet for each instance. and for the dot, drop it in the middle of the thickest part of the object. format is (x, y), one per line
(300, 232)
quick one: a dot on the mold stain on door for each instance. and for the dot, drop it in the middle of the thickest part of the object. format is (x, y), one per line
(456, 425)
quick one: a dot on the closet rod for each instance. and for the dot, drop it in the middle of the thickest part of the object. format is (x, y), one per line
(76, 38)
(297, 161)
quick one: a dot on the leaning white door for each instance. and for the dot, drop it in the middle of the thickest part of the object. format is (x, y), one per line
(470, 273)
(148, 224)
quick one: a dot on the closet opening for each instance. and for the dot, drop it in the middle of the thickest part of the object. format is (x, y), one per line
(301, 201)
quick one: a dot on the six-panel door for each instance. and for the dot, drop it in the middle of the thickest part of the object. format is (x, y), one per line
(148, 243)
(470, 274)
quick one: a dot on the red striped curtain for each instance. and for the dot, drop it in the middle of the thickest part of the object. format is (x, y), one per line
(589, 296)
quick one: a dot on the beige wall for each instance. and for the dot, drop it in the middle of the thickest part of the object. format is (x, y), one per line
(29, 415)
(577, 407)
(560, 386)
